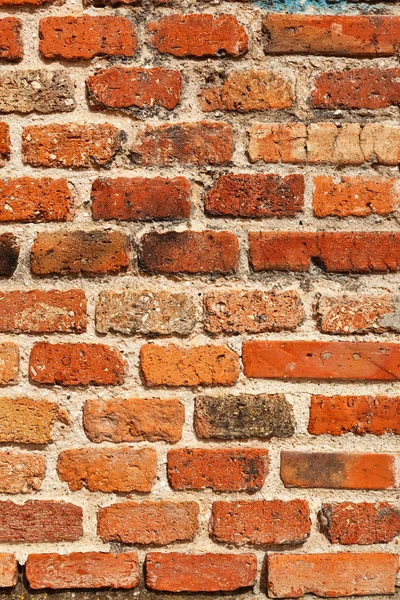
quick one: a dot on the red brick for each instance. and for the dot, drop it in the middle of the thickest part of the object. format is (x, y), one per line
(9, 363)
(339, 470)
(135, 87)
(74, 252)
(371, 361)
(351, 523)
(336, 415)
(335, 252)
(70, 145)
(198, 35)
(8, 570)
(36, 90)
(133, 420)
(83, 570)
(354, 196)
(245, 91)
(11, 42)
(256, 196)
(108, 469)
(30, 200)
(175, 572)
(177, 366)
(236, 311)
(191, 252)
(359, 313)
(148, 522)
(224, 470)
(75, 38)
(141, 199)
(331, 35)
(21, 472)
(76, 364)
(260, 522)
(200, 143)
(39, 311)
(5, 143)
(40, 521)
(359, 88)
(9, 253)
(26, 421)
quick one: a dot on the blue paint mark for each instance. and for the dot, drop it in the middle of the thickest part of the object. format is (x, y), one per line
(316, 6)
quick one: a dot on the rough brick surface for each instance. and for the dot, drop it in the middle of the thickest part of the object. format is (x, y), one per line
(26, 421)
(21, 472)
(8, 570)
(5, 143)
(108, 469)
(9, 254)
(9, 363)
(148, 522)
(83, 570)
(260, 522)
(26, 199)
(40, 91)
(198, 35)
(40, 521)
(226, 469)
(133, 420)
(141, 199)
(174, 572)
(11, 43)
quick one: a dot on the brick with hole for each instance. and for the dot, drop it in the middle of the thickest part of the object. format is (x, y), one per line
(8, 570)
(40, 521)
(36, 91)
(35, 200)
(27, 421)
(21, 472)
(148, 522)
(11, 39)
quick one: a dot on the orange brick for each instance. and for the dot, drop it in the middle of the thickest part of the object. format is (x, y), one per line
(21, 472)
(30, 200)
(26, 421)
(8, 570)
(11, 42)
(5, 143)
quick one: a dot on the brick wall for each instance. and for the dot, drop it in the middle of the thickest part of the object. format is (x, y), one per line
(199, 300)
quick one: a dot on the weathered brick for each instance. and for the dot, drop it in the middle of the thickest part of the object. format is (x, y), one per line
(21, 472)
(198, 35)
(354, 196)
(9, 362)
(339, 470)
(76, 364)
(199, 143)
(235, 311)
(39, 311)
(26, 421)
(256, 196)
(75, 38)
(121, 88)
(222, 469)
(331, 575)
(363, 523)
(11, 42)
(344, 144)
(362, 313)
(5, 143)
(245, 91)
(144, 312)
(108, 469)
(31, 200)
(70, 145)
(36, 90)
(8, 570)
(331, 35)
(335, 252)
(358, 88)
(260, 522)
(75, 252)
(177, 366)
(141, 199)
(175, 572)
(83, 570)
(148, 522)
(371, 361)
(40, 521)
(9, 254)
(191, 252)
(244, 416)
(133, 420)
(336, 415)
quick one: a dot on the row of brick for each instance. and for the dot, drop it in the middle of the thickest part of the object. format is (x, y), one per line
(241, 417)
(172, 365)
(128, 89)
(45, 200)
(288, 575)
(240, 522)
(206, 35)
(206, 143)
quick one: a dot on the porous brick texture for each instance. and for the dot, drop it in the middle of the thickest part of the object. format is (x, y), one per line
(199, 299)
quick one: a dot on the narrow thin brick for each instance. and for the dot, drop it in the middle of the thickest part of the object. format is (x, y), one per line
(21, 472)
(9, 363)
(9, 254)
(36, 90)
(11, 42)
(26, 421)
(8, 570)
(31, 200)
(5, 143)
